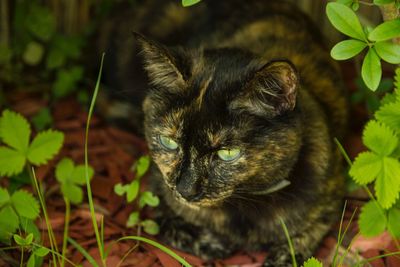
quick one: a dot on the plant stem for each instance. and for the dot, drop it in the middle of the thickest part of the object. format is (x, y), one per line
(22, 256)
(66, 229)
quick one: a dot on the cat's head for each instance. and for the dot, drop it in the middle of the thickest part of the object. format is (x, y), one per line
(219, 123)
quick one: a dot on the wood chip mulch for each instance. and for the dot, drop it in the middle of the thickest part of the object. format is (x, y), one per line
(112, 153)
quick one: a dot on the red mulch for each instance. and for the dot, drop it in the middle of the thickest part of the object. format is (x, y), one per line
(112, 153)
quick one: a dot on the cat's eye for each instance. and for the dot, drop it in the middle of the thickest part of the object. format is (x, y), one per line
(168, 143)
(228, 154)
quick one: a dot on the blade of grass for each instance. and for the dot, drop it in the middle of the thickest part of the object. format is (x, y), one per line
(52, 239)
(339, 234)
(100, 245)
(83, 252)
(291, 248)
(378, 257)
(344, 233)
(159, 246)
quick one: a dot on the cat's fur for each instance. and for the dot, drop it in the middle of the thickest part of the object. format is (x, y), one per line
(253, 75)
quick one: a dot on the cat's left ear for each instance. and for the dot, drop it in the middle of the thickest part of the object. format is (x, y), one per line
(272, 90)
(160, 64)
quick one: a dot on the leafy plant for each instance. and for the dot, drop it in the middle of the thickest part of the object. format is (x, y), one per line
(71, 178)
(377, 40)
(17, 211)
(131, 191)
(15, 132)
(381, 166)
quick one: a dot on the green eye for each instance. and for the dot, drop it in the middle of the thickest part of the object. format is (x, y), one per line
(228, 154)
(168, 143)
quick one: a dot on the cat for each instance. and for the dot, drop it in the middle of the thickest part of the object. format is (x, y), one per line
(241, 109)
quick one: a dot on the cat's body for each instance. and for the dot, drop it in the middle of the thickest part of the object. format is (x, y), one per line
(259, 86)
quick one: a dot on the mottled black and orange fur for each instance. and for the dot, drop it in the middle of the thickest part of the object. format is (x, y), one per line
(248, 74)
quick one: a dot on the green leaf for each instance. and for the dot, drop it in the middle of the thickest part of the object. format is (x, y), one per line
(23, 241)
(31, 261)
(372, 221)
(187, 3)
(28, 226)
(78, 176)
(382, 2)
(19, 240)
(29, 239)
(132, 191)
(120, 189)
(25, 204)
(142, 166)
(73, 192)
(355, 6)
(312, 262)
(41, 22)
(41, 252)
(66, 81)
(389, 114)
(347, 49)
(11, 162)
(64, 170)
(385, 31)
(42, 119)
(14, 130)
(4, 196)
(371, 71)
(393, 222)
(387, 185)
(379, 138)
(150, 227)
(387, 99)
(45, 145)
(148, 198)
(55, 59)
(388, 51)
(133, 219)
(33, 53)
(366, 168)
(345, 20)
(9, 222)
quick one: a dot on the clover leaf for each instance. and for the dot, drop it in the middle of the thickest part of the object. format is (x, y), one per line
(71, 178)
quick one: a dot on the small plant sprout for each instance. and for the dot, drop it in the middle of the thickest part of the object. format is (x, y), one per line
(131, 191)
(15, 132)
(71, 177)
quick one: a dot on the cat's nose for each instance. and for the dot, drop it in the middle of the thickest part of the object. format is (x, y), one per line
(189, 189)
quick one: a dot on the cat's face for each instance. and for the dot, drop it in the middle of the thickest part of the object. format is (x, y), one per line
(219, 124)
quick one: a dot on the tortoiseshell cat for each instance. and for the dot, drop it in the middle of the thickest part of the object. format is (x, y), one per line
(240, 119)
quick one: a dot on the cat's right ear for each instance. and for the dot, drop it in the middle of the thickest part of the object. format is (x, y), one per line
(160, 64)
